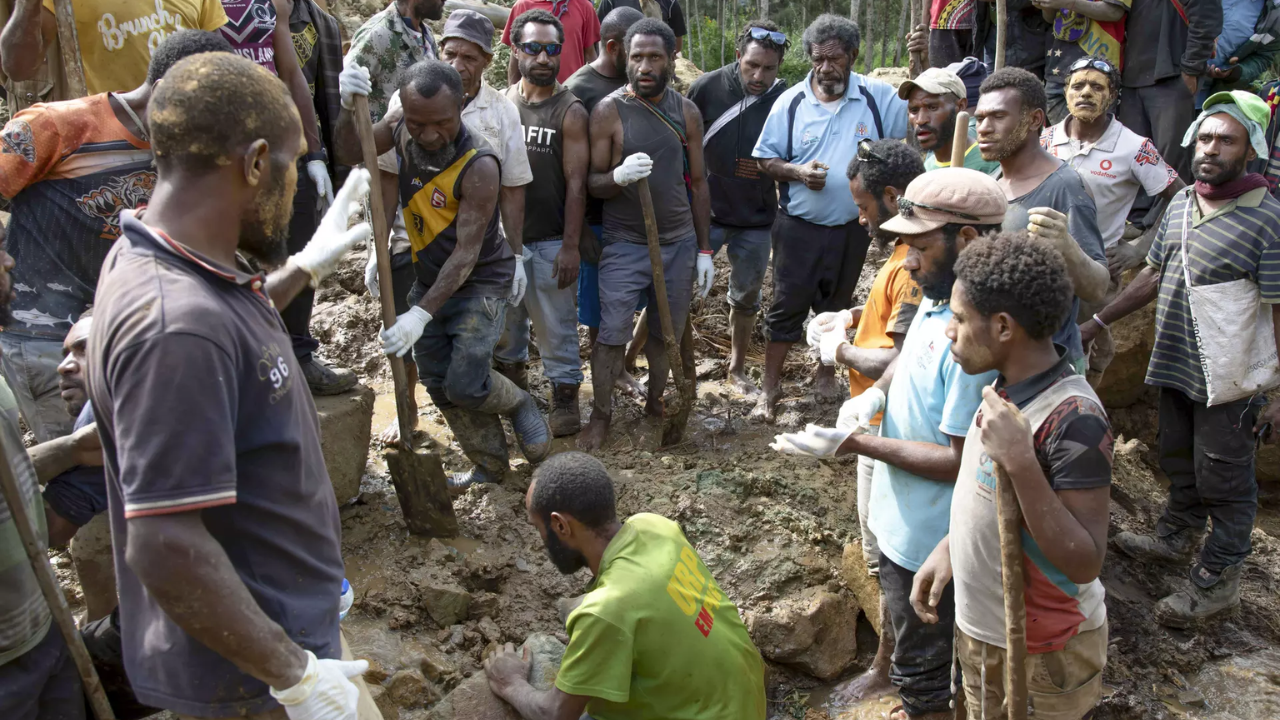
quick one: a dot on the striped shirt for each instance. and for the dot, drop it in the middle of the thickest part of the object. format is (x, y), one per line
(1239, 240)
(24, 615)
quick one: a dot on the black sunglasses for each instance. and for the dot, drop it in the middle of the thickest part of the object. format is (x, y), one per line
(1095, 63)
(533, 48)
(907, 208)
(773, 36)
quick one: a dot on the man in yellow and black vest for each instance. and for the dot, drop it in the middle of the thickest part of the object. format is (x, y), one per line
(449, 179)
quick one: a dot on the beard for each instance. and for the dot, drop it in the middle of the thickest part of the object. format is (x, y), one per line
(264, 235)
(1227, 171)
(943, 133)
(937, 285)
(567, 560)
(660, 82)
(421, 157)
(832, 87)
(1013, 143)
(881, 238)
(527, 72)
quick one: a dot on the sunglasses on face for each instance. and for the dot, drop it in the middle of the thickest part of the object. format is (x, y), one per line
(533, 48)
(773, 36)
(1096, 63)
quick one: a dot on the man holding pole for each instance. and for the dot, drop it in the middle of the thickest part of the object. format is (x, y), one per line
(462, 267)
(645, 129)
(1044, 426)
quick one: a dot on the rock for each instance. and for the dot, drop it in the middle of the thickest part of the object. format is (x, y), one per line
(489, 629)
(408, 688)
(815, 631)
(435, 664)
(863, 586)
(345, 423)
(895, 76)
(443, 599)
(95, 567)
(472, 699)
(686, 73)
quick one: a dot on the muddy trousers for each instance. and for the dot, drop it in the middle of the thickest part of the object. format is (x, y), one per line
(1208, 454)
(1062, 685)
(42, 683)
(303, 224)
(921, 665)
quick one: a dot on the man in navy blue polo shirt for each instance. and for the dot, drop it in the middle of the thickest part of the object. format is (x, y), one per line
(818, 246)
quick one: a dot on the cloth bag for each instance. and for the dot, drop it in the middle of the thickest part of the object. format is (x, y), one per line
(1235, 334)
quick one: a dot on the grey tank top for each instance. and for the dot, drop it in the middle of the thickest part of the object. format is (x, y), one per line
(643, 131)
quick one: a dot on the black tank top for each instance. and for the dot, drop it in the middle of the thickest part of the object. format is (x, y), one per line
(643, 131)
(544, 140)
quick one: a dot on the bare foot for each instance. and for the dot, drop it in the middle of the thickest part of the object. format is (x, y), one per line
(899, 714)
(825, 387)
(872, 683)
(766, 408)
(391, 434)
(740, 384)
(595, 433)
(654, 408)
(630, 386)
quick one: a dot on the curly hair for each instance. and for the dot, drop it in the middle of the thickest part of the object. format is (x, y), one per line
(1010, 272)
(832, 27)
(892, 164)
(653, 26)
(1029, 88)
(541, 17)
(181, 44)
(744, 37)
(428, 76)
(576, 484)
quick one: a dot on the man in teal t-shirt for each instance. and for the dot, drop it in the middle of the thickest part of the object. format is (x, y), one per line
(655, 637)
(933, 99)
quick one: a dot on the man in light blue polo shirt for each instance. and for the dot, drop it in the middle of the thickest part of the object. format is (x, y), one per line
(818, 246)
(930, 406)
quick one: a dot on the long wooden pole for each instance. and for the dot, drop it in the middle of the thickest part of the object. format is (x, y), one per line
(916, 62)
(1009, 514)
(69, 46)
(48, 582)
(1002, 30)
(676, 420)
(960, 142)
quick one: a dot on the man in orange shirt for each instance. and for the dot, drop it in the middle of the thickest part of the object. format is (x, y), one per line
(878, 175)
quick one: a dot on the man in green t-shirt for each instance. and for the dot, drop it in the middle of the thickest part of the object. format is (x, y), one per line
(933, 99)
(655, 636)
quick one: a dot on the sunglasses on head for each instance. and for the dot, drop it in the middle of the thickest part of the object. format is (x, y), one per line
(907, 209)
(1095, 63)
(533, 48)
(773, 36)
(865, 151)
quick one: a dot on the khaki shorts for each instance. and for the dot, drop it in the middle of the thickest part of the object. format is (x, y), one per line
(1062, 685)
(365, 708)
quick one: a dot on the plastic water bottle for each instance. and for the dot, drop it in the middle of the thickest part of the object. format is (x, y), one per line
(345, 600)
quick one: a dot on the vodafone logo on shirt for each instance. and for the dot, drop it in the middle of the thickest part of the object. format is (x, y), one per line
(1103, 170)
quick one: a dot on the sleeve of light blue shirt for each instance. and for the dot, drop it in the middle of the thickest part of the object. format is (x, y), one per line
(964, 397)
(893, 111)
(772, 142)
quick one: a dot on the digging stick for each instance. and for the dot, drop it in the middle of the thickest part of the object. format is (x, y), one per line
(1015, 608)
(418, 476)
(69, 46)
(1002, 30)
(674, 423)
(916, 62)
(960, 143)
(49, 584)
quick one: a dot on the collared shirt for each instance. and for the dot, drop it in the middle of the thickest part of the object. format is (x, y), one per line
(26, 614)
(246, 456)
(931, 400)
(1239, 240)
(1073, 446)
(1114, 168)
(385, 47)
(817, 133)
(497, 120)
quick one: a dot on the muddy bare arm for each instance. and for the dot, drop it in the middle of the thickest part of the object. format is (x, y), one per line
(191, 578)
(606, 150)
(288, 70)
(31, 29)
(507, 672)
(284, 284)
(475, 210)
(576, 164)
(512, 211)
(346, 142)
(871, 362)
(698, 176)
(1137, 295)
(51, 459)
(936, 462)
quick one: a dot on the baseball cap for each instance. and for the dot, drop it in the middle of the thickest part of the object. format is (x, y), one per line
(470, 26)
(935, 81)
(948, 195)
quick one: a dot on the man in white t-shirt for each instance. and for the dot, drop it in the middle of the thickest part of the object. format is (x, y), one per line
(1115, 163)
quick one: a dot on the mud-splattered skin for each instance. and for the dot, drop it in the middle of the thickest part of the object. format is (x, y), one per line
(972, 335)
(1089, 94)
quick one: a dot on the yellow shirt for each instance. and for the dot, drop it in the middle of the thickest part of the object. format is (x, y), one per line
(891, 305)
(117, 36)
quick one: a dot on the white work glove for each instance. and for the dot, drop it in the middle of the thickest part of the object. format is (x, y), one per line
(333, 238)
(352, 81)
(829, 346)
(319, 173)
(706, 273)
(634, 167)
(857, 413)
(815, 441)
(408, 328)
(371, 272)
(325, 691)
(519, 282)
(828, 322)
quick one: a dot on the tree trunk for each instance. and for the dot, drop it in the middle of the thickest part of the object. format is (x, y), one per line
(902, 31)
(869, 39)
(884, 37)
(720, 26)
(696, 36)
(764, 9)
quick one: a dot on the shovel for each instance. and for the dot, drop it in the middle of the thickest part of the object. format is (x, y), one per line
(418, 476)
(1009, 514)
(676, 419)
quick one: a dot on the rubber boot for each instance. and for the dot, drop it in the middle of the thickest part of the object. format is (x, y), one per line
(516, 372)
(483, 442)
(566, 419)
(1204, 597)
(1174, 549)
(519, 407)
